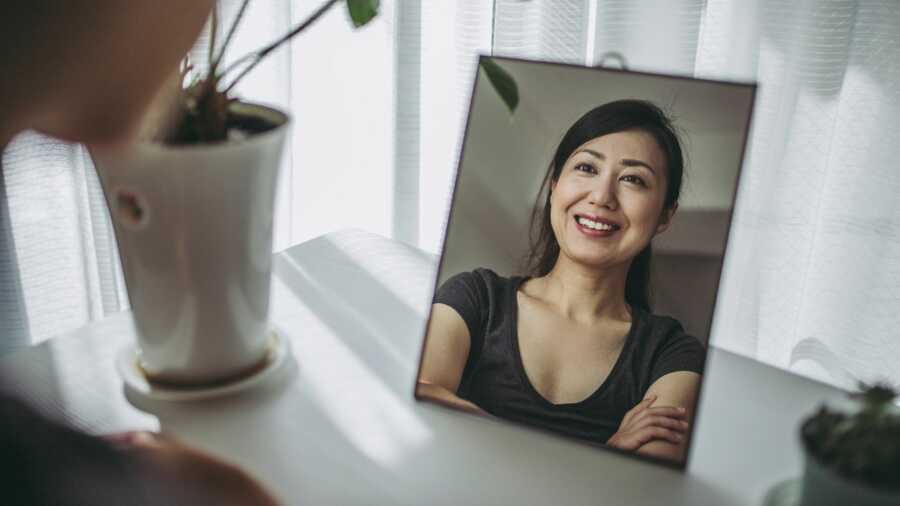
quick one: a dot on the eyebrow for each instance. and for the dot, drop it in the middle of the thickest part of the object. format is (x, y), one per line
(628, 162)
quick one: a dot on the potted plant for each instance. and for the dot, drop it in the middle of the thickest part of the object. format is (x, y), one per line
(853, 456)
(192, 211)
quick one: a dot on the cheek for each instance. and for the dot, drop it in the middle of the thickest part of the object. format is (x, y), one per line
(560, 201)
(565, 194)
(644, 213)
(558, 221)
(557, 213)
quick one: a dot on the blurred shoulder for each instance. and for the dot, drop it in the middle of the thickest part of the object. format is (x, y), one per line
(480, 278)
(666, 329)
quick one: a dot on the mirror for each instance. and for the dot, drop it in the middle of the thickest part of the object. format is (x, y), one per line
(578, 279)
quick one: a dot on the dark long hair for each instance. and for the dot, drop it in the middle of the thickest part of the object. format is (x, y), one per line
(608, 118)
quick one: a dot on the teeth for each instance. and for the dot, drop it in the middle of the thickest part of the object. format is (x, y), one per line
(593, 224)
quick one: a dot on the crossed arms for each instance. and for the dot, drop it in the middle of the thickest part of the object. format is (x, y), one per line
(657, 426)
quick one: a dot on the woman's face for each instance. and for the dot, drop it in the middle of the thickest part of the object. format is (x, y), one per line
(608, 201)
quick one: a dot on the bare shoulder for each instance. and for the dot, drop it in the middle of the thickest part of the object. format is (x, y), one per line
(678, 389)
(447, 344)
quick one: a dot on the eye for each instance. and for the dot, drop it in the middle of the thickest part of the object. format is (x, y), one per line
(585, 167)
(631, 178)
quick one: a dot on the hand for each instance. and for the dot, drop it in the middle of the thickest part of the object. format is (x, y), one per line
(177, 474)
(643, 424)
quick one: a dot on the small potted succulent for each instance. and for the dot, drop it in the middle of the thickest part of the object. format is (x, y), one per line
(853, 456)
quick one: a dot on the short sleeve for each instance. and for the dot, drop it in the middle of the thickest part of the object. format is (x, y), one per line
(467, 294)
(678, 352)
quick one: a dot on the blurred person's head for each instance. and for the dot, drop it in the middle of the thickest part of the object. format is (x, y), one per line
(86, 70)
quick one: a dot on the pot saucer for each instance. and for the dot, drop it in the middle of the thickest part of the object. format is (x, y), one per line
(128, 366)
(784, 493)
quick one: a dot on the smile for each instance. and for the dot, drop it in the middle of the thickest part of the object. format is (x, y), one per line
(595, 225)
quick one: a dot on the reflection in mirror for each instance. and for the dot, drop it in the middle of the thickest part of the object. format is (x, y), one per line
(581, 261)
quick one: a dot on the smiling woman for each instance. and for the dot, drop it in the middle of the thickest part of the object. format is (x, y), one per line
(572, 347)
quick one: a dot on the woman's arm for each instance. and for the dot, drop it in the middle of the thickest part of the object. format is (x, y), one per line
(447, 345)
(441, 395)
(678, 390)
(658, 425)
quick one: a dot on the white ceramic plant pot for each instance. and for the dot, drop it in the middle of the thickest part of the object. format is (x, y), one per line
(824, 487)
(194, 229)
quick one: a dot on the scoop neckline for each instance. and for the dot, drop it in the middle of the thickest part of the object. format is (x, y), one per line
(513, 310)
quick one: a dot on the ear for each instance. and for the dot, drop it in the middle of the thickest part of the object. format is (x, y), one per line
(665, 219)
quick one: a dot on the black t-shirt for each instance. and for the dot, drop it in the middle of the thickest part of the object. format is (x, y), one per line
(46, 463)
(494, 377)
(43, 462)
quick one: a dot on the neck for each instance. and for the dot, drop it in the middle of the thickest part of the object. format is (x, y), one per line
(5, 139)
(18, 108)
(9, 123)
(586, 294)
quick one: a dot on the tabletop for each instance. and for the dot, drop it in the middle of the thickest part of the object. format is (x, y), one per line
(339, 424)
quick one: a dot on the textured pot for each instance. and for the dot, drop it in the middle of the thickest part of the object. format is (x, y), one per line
(825, 487)
(194, 229)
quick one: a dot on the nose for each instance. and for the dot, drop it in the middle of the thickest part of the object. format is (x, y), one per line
(603, 194)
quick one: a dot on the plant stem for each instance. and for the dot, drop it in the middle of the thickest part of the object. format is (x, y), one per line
(213, 28)
(231, 30)
(262, 53)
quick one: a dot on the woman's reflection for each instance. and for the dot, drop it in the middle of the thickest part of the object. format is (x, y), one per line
(573, 347)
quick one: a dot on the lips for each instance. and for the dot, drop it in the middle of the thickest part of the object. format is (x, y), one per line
(595, 226)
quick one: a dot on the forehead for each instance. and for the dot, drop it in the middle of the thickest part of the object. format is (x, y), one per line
(631, 144)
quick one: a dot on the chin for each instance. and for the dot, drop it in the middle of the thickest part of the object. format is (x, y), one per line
(600, 260)
(105, 125)
(103, 136)
(592, 261)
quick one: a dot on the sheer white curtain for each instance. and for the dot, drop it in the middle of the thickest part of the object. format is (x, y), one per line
(377, 117)
(812, 276)
(813, 269)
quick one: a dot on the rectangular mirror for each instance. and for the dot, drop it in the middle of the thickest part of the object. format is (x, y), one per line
(583, 251)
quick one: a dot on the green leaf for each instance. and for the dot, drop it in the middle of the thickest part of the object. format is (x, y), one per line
(502, 82)
(362, 11)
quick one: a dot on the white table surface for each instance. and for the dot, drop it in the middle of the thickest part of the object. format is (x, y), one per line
(340, 425)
